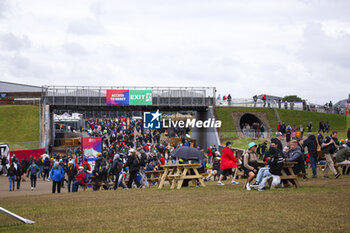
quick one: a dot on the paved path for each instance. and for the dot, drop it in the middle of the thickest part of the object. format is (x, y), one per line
(42, 187)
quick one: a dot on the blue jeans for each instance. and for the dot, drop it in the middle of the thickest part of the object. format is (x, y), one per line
(76, 186)
(313, 162)
(264, 171)
(209, 159)
(144, 177)
(12, 182)
(40, 170)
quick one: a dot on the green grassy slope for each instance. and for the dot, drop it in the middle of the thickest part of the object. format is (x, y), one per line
(19, 124)
(337, 122)
(228, 131)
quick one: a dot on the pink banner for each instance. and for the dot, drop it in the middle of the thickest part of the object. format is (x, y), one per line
(20, 154)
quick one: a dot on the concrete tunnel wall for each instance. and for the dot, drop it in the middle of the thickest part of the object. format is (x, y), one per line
(205, 137)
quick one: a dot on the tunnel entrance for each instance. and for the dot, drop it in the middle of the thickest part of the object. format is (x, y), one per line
(249, 119)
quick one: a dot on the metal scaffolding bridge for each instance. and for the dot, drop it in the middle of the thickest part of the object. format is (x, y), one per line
(90, 97)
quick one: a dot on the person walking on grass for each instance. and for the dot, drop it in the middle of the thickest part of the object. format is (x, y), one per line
(56, 174)
(329, 146)
(228, 162)
(250, 163)
(47, 166)
(33, 171)
(11, 174)
(72, 171)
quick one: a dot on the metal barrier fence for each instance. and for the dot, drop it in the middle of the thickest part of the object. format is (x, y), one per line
(251, 133)
(278, 105)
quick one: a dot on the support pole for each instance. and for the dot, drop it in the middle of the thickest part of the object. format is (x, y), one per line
(15, 216)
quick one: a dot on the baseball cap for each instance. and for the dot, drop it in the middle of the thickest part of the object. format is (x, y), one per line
(278, 134)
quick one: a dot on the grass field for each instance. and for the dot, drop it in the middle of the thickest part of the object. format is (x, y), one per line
(19, 126)
(318, 206)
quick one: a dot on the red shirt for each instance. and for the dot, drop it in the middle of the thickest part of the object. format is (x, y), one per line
(162, 160)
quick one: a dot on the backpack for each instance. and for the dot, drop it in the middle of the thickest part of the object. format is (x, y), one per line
(143, 159)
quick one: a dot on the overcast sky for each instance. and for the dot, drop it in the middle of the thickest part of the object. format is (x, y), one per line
(241, 47)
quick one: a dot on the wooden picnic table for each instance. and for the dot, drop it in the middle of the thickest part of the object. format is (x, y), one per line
(155, 176)
(289, 166)
(177, 173)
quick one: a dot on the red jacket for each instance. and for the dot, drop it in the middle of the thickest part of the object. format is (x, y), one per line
(228, 159)
(81, 177)
(210, 152)
(87, 166)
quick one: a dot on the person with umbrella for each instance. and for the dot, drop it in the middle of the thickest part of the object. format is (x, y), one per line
(228, 162)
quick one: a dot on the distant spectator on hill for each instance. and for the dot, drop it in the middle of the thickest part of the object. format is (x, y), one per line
(264, 100)
(309, 127)
(326, 127)
(229, 98)
(255, 100)
(321, 127)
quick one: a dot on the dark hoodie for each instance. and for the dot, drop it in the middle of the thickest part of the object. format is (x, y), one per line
(276, 161)
(311, 145)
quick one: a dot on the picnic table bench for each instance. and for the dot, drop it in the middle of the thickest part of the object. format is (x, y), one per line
(177, 173)
(289, 166)
(155, 176)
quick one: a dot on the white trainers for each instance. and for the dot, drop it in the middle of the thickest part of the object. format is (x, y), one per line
(234, 182)
(248, 187)
(220, 183)
(32, 188)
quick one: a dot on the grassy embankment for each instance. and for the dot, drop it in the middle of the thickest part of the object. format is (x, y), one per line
(19, 126)
(228, 130)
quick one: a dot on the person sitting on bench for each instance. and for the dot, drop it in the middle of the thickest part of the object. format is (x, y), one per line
(216, 167)
(275, 168)
(294, 155)
(342, 158)
(80, 179)
(263, 172)
(250, 163)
